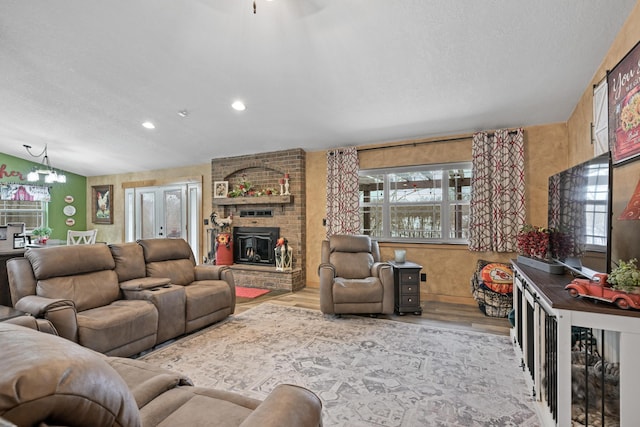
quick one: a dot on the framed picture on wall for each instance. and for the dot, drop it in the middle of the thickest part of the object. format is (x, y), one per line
(102, 207)
(623, 84)
(220, 189)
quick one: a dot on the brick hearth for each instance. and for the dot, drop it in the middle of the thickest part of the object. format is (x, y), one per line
(264, 170)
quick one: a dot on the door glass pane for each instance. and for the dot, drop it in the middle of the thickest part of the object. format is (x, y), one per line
(173, 213)
(148, 215)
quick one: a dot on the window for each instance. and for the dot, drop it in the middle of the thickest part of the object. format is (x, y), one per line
(597, 194)
(16, 211)
(422, 203)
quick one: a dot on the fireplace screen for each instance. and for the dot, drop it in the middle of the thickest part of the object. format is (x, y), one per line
(255, 245)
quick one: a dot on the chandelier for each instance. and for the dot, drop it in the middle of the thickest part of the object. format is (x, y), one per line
(45, 169)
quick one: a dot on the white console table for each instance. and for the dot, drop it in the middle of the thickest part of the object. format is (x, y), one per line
(544, 316)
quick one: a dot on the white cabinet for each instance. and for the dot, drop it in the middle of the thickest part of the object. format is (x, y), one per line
(580, 354)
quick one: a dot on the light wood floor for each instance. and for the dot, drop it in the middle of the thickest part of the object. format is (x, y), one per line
(434, 313)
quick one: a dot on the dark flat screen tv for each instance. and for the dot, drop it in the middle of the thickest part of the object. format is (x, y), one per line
(579, 215)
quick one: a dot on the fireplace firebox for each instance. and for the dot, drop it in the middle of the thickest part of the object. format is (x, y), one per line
(255, 245)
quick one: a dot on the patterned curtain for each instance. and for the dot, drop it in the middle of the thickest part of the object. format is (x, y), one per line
(343, 206)
(497, 191)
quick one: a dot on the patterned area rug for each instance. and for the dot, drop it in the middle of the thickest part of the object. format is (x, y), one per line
(368, 372)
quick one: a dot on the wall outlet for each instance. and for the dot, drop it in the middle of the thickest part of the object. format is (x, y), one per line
(206, 221)
(423, 277)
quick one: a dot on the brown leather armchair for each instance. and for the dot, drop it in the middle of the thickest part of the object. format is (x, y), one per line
(352, 278)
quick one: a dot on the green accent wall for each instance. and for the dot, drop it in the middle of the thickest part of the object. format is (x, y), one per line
(15, 170)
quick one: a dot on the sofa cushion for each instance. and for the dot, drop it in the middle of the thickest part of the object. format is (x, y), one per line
(350, 243)
(88, 290)
(69, 260)
(56, 382)
(357, 290)
(166, 249)
(122, 328)
(352, 265)
(180, 271)
(129, 260)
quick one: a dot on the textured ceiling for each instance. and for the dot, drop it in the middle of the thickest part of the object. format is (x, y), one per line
(82, 75)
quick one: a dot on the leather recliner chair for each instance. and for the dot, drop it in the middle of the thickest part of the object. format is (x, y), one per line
(352, 277)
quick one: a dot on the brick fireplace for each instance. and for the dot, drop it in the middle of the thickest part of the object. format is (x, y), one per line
(287, 213)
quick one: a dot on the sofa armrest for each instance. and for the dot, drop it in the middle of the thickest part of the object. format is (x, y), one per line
(38, 306)
(143, 283)
(378, 269)
(60, 312)
(287, 405)
(327, 273)
(209, 272)
(326, 270)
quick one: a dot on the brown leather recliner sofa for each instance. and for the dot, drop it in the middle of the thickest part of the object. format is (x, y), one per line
(113, 299)
(52, 381)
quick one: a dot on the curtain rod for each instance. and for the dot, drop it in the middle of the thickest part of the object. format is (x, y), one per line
(416, 143)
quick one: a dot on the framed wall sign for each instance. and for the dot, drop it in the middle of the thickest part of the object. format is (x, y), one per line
(624, 107)
(220, 189)
(102, 208)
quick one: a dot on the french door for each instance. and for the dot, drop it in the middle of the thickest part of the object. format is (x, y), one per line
(169, 211)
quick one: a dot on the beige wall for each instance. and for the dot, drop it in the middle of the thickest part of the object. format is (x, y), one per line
(448, 267)
(114, 233)
(625, 177)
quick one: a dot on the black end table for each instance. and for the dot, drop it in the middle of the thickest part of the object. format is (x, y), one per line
(407, 287)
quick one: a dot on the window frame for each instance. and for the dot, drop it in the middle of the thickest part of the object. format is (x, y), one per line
(40, 213)
(446, 205)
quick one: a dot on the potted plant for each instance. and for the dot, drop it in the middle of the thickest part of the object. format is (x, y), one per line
(533, 244)
(42, 233)
(626, 276)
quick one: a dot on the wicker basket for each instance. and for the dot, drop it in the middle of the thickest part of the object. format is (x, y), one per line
(491, 303)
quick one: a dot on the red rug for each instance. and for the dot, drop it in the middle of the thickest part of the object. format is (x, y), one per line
(242, 292)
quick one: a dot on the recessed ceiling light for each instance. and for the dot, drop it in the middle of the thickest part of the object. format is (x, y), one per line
(183, 113)
(148, 125)
(238, 106)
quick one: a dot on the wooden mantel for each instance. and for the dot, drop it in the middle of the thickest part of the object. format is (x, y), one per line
(257, 200)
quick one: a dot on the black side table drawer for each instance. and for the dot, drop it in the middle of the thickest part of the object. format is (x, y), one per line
(413, 289)
(412, 277)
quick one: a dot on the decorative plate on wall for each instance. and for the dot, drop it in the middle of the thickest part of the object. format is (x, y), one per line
(69, 210)
(70, 222)
(68, 199)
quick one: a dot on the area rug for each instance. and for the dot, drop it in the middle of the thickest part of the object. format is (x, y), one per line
(367, 372)
(242, 292)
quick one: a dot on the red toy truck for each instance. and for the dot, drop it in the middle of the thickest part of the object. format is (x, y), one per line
(598, 288)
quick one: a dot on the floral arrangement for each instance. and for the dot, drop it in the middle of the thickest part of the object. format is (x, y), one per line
(246, 189)
(533, 241)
